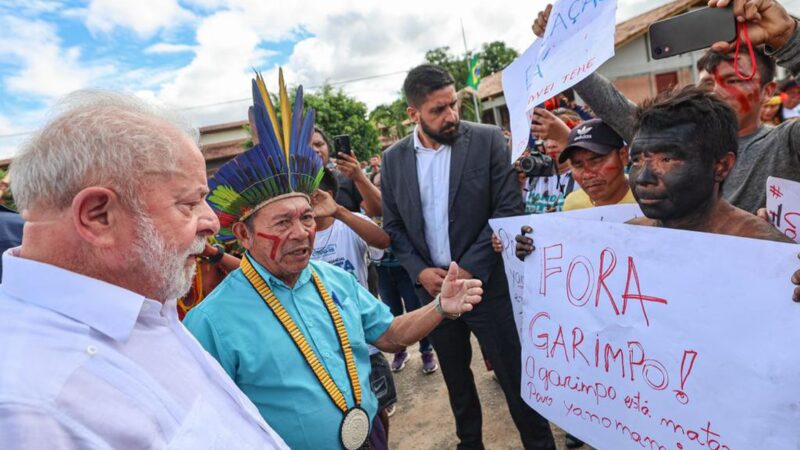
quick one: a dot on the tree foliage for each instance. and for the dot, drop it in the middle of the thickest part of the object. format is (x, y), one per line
(392, 116)
(494, 56)
(338, 113)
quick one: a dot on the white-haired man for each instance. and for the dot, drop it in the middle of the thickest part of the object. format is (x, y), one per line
(112, 191)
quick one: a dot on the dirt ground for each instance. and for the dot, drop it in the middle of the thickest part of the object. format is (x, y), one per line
(423, 420)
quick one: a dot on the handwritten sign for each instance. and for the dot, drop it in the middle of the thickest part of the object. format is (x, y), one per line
(610, 213)
(783, 205)
(507, 229)
(637, 337)
(578, 39)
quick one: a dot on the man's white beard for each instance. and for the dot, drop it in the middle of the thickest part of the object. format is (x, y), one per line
(163, 265)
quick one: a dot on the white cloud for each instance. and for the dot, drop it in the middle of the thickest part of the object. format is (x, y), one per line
(45, 69)
(348, 40)
(165, 48)
(225, 51)
(144, 17)
(341, 40)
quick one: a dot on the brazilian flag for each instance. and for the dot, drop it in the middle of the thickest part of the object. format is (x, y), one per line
(474, 78)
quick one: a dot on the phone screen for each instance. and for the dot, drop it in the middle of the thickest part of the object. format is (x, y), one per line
(341, 144)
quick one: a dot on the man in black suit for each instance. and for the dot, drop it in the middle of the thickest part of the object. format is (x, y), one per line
(440, 187)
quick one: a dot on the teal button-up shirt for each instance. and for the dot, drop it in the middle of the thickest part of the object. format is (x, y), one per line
(236, 327)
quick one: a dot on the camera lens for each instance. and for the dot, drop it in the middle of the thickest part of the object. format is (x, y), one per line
(526, 164)
(659, 51)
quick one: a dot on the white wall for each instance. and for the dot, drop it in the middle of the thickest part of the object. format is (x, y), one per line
(634, 59)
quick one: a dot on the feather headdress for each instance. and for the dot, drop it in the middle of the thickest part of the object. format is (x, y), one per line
(282, 164)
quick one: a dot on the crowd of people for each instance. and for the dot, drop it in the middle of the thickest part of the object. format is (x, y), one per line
(149, 306)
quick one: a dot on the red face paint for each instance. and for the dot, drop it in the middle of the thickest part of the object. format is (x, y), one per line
(276, 242)
(744, 105)
(742, 97)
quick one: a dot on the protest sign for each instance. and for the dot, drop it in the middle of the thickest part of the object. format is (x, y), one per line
(638, 337)
(578, 39)
(609, 213)
(506, 229)
(783, 205)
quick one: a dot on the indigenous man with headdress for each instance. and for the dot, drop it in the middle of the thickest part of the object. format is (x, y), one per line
(293, 333)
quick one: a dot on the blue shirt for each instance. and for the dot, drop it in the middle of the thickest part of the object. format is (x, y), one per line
(235, 325)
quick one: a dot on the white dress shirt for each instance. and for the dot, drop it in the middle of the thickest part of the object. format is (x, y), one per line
(433, 173)
(86, 364)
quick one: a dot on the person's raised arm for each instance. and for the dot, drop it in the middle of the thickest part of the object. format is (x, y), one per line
(369, 231)
(458, 296)
(350, 167)
(602, 97)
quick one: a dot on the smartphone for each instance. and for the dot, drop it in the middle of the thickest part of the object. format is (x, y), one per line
(691, 31)
(341, 144)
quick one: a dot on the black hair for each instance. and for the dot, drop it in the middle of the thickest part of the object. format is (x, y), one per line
(424, 79)
(716, 126)
(787, 84)
(765, 63)
(329, 183)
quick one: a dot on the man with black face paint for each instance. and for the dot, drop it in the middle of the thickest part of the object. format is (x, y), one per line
(682, 152)
(762, 151)
(440, 186)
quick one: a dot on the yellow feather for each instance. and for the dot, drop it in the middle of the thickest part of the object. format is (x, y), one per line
(286, 115)
(262, 88)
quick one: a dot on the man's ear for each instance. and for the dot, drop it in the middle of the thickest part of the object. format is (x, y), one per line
(723, 167)
(242, 234)
(97, 213)
(768, 90)
(624, 155)
(413, 114)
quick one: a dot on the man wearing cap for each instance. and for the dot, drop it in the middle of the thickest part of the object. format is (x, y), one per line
(763, 151)
(293, 333)
(598, 157)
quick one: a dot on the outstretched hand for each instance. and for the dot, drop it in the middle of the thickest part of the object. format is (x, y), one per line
(459, 295)
(767, 21)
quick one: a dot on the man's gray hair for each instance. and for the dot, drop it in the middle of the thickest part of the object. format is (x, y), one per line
(97, 138)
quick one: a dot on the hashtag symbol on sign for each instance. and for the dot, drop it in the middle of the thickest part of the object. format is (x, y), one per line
(775, 191)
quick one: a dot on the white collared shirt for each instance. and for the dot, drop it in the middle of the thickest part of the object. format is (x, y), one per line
(433, 173)
(86, 364)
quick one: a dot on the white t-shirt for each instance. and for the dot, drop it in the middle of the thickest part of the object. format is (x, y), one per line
(791, 113)
(342, 247)
(547, 194)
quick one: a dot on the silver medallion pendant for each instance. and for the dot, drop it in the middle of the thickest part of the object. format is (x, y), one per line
(355, 428)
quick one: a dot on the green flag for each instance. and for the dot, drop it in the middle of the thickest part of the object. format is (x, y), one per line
(474, 78)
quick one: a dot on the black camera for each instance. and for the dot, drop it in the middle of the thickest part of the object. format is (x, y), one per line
(537, 164)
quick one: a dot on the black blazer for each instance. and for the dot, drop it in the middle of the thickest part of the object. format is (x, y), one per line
(482, 186)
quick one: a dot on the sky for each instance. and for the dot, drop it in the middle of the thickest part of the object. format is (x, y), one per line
(198, 56)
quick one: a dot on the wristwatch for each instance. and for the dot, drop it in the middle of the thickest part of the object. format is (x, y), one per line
(438, 305)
